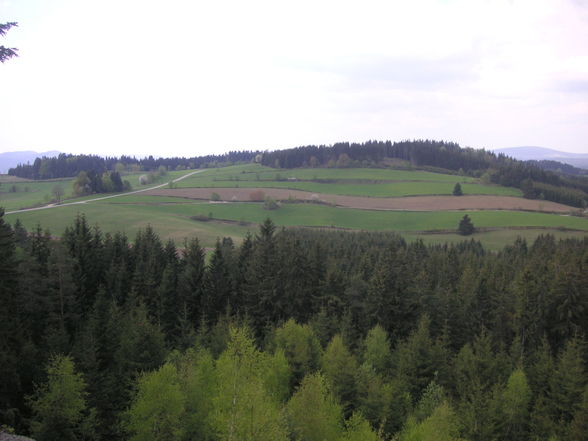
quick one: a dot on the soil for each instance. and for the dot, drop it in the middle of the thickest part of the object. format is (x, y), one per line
(409, 203)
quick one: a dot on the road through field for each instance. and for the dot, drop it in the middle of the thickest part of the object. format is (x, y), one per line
(45, 207)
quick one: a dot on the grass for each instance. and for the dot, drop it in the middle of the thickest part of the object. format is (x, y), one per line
(352, 182)
(31, 193)
(35, 193)
(256, 172)
(172, 219)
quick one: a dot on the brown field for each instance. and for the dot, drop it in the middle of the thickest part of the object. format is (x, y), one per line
(410, 203)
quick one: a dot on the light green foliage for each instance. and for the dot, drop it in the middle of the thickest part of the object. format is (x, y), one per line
(442, 425)
(514, 406)
(243, 409)
(199, 384)
(433, 396)
(59, 406)
(156, 411)
(340, 367)
(374, 395)
(277, 375)
(377, 350)
(313, 411)
(357, 428)
(301, 348)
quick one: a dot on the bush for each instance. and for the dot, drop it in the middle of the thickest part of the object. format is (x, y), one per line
(215, 197)
(270, 204)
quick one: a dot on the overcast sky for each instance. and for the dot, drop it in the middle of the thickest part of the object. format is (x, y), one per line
(179, 77)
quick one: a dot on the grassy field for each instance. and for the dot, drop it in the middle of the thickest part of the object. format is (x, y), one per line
(28, 194)
(173, 219)
(179, 218)
(24, 194)
(352, 182)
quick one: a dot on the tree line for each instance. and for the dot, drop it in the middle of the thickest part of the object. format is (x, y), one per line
(67, 165)
(441, 156)
(293, 334)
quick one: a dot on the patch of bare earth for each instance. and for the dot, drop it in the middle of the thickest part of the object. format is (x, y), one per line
(410, 203)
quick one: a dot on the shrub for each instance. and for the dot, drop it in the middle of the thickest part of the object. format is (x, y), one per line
(215, 197)
(270, 204)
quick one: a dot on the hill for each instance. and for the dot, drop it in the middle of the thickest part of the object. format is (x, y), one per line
(9, 160)
(544, 154)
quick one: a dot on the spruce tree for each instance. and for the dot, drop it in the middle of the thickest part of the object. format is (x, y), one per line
(465, 227)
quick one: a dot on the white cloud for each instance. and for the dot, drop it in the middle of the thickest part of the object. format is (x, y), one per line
(192, 77)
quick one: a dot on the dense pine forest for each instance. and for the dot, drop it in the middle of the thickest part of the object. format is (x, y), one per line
(294, 334)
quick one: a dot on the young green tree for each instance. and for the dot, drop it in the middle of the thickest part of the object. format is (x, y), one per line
(199, 382)
(59, 407)
(243, 408)
(377, 351)
(514, 404)
(301, 348)
(339, 366)
(357, 428)
(156, 412)
(442, 425)
(313, 411)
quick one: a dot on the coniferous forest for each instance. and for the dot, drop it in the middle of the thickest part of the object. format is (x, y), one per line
(294, 334)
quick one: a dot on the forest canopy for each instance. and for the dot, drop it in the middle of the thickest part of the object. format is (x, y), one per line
(293, 334)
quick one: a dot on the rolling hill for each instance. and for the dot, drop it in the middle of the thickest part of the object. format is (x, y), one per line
(12, 159)
(545, 154)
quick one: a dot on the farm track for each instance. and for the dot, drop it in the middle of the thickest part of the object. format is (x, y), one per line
(407, 203)
(144, 190)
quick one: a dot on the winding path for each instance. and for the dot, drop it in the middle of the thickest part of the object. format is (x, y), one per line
(45, 207)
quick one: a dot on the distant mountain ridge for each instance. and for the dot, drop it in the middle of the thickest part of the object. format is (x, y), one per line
(545, 154)
(12, 159)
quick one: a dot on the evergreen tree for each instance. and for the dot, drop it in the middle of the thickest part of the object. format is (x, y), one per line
(465, 227)
(59, 406)
(457, 191)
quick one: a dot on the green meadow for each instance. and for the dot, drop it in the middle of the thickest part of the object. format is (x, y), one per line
(180, 218)
(352, 182)
(174, 218)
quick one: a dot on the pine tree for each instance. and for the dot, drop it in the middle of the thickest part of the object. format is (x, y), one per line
(457, 191)
(466, 227)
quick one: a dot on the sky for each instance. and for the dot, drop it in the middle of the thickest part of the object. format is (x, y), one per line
(189, 78)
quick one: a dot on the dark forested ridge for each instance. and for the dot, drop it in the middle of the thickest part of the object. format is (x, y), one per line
(65, 165)
(294, 334)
